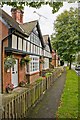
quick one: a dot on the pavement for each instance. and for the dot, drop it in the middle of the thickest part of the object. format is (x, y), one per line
(48, 105)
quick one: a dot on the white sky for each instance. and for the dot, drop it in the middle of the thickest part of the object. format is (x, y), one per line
(46, 25)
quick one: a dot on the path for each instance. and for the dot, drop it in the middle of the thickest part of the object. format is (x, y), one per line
(47, 107)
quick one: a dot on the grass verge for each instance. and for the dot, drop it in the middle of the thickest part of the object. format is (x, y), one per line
(69, 100)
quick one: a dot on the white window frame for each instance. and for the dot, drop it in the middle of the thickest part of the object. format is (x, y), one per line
(24, 45)
(33, 63)
(46, 63)
(19, 43)
(35, 39)
(14, 41)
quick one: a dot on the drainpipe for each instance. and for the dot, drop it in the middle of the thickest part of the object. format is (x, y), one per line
(0, 65)
(1, 44)
(0, 59)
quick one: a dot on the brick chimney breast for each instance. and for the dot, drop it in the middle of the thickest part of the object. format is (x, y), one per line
(17, 15)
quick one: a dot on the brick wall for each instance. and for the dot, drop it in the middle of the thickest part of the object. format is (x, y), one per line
(21, 73)
(5, 44)
(32, 77)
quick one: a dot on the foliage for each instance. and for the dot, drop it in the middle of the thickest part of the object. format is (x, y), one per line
(24, 60)
(9, 62)
(69, 100)
(9, 87)
(39, 80)
(56, 6)
(48, 74)
(20, 5)
(66, 38)
(27, 59)
(41, 61)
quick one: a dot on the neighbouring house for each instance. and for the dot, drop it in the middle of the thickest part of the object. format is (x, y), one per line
(55, 59)
(47, 52)
(19, 41)
(35, 49)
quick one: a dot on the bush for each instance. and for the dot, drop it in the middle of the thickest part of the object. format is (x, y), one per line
(39, 80)
(48, 74)
(9, 62)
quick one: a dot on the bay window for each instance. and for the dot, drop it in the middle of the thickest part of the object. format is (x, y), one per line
(34, 64)
(46, 63)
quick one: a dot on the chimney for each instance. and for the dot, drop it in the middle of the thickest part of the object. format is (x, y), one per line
(17, 15)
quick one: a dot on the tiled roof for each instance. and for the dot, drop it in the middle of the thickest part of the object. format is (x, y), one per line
(29, 26)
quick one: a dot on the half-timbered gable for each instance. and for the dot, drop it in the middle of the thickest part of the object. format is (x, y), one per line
(47, 51)
(36, 45)
(34, 36)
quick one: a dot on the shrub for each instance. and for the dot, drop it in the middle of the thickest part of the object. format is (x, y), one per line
(39, 79)
(9, 62)
(48, 74)
(25, 60)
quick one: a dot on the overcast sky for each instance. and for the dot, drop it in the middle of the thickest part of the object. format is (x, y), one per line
(47, 19)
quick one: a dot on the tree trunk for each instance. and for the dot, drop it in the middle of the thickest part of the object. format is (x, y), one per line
(70, 65)
(70, 62)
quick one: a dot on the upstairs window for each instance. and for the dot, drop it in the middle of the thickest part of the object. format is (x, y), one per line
(14, 41)
(35, 39)
(24, 45)
(19, 43)
(46, 63)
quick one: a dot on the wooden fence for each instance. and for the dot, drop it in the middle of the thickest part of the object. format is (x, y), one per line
(17, 104)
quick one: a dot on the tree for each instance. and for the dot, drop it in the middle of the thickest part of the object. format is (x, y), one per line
(66, 37)
(55, 5)
(78, 58)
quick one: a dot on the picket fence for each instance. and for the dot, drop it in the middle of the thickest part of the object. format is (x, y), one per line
(17, 104)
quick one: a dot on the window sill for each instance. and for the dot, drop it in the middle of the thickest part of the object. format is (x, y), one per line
(32, 73)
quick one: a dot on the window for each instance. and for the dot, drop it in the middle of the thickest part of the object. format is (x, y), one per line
(35, 39)
(28, 47)
(20, 43)
(34, 64)
(24, 45)
(14, 41)
(46, 63)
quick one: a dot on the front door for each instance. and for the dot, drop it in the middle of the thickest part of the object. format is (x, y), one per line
(15, 74)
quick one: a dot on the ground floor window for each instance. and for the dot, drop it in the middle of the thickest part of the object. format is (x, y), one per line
(33, 65)
(46, 63)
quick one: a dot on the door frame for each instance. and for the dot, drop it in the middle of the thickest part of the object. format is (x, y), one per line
(17, 72)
